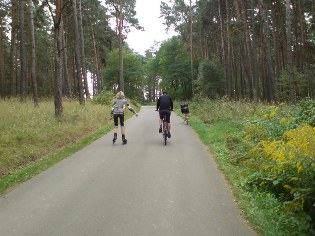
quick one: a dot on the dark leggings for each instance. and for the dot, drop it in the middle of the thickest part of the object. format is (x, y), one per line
(121, 119)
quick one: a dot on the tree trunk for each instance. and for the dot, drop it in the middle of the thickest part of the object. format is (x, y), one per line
(23, 73)
(303, 32)
(33, 62)
(2, 78)
(121, 59)
(78, 54)
(98, 82)
(289, 51)
(82, 50)
(257, 93)
(278, 27)
(223, 48)
(13, 49)
(228, 52)
(270, 89)
(58, 76)
(191, 49)
(65, 75)
(249, 53)
(246, 64)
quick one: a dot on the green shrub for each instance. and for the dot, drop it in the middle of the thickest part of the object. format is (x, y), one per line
(104, 97)
(210, 79)
(283, 155)
(307, 112)
(273, 121)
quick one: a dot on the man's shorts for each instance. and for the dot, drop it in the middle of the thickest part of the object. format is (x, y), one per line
(167, 113)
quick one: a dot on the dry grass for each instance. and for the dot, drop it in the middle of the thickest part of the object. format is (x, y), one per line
(29, 134)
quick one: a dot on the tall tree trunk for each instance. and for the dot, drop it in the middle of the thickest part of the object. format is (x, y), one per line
(2, 78)
(81, 34)
(65, 75)
(223, 47)
(99, 80)
(34, 80)
(121, 59)
(270, 87)
(249, 52)
(13, 48)
(257, 93)
(231, 93)
(191, 48)
(278, 27)
(58, 76)
(289, 51)
(244, 56)
(78, 53)
(304, 53)
(23, 73)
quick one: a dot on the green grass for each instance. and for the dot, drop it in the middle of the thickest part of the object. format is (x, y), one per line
(28, 172)
(32, 139)
(215, 123)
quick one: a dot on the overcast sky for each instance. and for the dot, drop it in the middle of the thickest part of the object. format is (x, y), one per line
(148, 12)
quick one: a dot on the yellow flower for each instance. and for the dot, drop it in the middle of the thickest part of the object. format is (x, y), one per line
(299, 167)
(284, 121)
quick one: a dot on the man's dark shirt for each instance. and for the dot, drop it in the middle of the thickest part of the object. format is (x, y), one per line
(164, 102)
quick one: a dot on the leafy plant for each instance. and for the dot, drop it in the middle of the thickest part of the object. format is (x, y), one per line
(104, 97)
(307, 112)
(210, 79)
(283, 155)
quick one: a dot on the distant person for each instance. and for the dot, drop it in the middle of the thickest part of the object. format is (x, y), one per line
(184, 107)
(185, 110)
(165, 105)
(118, 113)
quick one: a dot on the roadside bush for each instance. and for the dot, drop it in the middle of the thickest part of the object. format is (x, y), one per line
(283, 158)
(238, 147)
(104, 97)
(222, 110)
(276, 192)
(271, 122)
(307, 112)
(210, 79)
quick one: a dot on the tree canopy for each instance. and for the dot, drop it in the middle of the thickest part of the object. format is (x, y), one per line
(254, 49)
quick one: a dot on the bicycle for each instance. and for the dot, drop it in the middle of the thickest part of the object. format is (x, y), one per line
(164, 129)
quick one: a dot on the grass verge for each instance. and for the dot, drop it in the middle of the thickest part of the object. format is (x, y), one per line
(32, 139)
(23, 174)
(264, 212)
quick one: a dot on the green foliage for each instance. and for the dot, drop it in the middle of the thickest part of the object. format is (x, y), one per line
(210, 80)
(133, 73)
(301, 80)
(272, 121)
(104, 97)
(175, 69)
(29, 134)
(210, 111)
(282, 156)
(269, 214)
(151, 76)
(267, 156)
(307, 112)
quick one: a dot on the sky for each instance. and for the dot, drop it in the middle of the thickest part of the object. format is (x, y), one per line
(148, 12)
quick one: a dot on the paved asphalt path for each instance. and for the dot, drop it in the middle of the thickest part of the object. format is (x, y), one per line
(140, 189)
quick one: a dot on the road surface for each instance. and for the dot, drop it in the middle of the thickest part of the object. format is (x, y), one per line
(140, 189)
